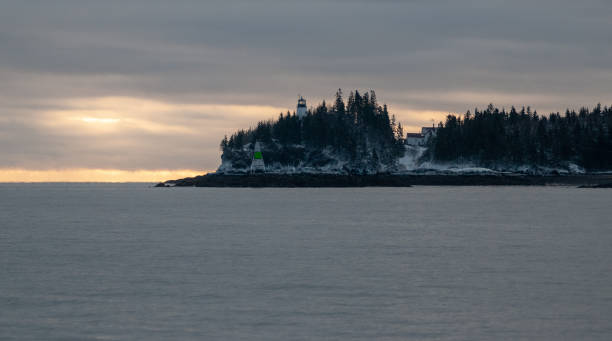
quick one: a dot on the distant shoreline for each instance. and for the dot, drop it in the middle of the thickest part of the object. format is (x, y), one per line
(386, 180)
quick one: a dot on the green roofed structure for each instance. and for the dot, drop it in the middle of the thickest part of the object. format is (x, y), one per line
(257, 164)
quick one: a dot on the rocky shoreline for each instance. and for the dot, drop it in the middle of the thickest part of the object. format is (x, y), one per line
(387, 180)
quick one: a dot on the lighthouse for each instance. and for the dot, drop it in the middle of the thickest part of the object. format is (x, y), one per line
(301, 108)
(257, 164)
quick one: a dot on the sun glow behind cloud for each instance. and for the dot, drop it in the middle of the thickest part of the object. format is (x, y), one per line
(113, 114)
(99, 120)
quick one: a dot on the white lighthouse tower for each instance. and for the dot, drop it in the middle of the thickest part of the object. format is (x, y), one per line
(257, 163)
(301, 108)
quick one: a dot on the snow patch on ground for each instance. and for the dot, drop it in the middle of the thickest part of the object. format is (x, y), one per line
(411, 157)
(451, 169)
(411, 163)
(332, 168)
(575, 169)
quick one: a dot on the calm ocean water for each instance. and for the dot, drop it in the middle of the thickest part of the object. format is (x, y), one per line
(130, 262)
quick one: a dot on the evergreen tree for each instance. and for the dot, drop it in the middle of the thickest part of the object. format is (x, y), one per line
(339, 104)
(400, 132)
(224, 143)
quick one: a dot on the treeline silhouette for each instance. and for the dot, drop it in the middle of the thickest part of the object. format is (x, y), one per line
(359, 130)
(495, 136)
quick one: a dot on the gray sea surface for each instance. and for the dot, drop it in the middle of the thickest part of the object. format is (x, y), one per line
(131, 262)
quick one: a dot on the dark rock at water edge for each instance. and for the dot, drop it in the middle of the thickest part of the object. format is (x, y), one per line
(292, 180)
(604, 185)
(383, 180)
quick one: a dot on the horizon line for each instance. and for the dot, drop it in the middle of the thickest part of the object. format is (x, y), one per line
(94, 175)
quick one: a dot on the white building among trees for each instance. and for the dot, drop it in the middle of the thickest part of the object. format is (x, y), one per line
(421, 139)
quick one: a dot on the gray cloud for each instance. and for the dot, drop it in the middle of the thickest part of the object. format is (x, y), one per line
(419, 55)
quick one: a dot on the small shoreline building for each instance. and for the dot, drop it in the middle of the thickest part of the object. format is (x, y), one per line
(422, 138)
(414, 139)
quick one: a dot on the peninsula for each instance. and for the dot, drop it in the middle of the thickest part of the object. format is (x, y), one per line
(359, 143)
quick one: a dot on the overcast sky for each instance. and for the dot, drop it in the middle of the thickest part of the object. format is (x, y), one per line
(152, 85)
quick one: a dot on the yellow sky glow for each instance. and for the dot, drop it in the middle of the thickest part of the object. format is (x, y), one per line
(103, 115)
(94, 175)
(99, 120)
